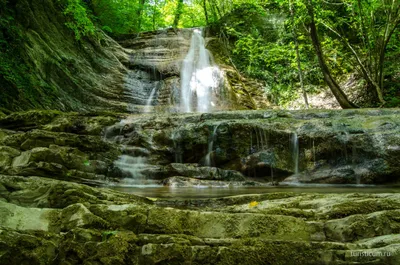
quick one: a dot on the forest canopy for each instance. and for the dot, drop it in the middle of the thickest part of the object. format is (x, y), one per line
(129, 16)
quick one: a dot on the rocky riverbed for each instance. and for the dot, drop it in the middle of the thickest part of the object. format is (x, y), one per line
(49, 216)
(46, 221)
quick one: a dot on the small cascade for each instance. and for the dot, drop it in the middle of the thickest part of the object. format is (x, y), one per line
(213, 136)
(140, 89)
(199, 78)
(258, 142)
(354, 163)
(262, 140)
(344, 138)
(351, 160)
(177, 147)
(295, 152)
(132, 165)
(149, 102)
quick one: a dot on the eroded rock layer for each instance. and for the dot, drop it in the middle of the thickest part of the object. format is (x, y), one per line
(257, 147)
(346, 147)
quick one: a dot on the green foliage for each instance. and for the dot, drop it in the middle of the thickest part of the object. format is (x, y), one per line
(107, 29)
(78, 18)
(15, 75)
(362, 33)
(118, 17)
(263, 48)
(133, 16)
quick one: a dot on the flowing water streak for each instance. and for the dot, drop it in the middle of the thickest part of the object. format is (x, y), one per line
(213, 136)
(149, 104)
(314, 154)
(353, 164)
(177, 146)
(198, 77)
(295, 154)
(133, 165)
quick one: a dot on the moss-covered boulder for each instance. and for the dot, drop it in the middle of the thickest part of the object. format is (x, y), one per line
(62, 146)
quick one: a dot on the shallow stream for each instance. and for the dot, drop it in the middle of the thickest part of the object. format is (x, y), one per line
(216, 192)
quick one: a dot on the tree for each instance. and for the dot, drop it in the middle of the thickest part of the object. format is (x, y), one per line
(330, 81)
(178, 13)
(298, 54)
(139, 14)
(373, 24)
(205, 10)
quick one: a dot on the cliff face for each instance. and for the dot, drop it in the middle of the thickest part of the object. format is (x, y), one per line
(156, 60)
(45, 67)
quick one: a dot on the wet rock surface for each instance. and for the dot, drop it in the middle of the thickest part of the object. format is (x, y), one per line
(335, 147)
(55, 222)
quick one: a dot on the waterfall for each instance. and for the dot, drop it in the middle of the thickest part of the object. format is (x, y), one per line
(177, 147)
(207, 161)
(295, 154)
(132, 165)
(147, 109)
(199, 78)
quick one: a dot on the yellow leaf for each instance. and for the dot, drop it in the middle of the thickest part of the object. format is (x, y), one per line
(253, 204)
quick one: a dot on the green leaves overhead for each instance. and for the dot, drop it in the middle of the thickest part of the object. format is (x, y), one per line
(78, 18)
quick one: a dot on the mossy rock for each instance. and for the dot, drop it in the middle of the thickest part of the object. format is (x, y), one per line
(25, 248)
(28, 120)
(222, 225)
(362, 207)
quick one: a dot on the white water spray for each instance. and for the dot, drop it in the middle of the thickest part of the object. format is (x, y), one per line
(199, 78)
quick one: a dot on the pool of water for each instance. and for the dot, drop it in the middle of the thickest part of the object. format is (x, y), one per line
(154, 191)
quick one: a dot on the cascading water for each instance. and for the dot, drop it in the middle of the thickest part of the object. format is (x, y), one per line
(177, 146)
(207, 160)
(295, 154)
(199, 78)
(149, 102)
(132, 165)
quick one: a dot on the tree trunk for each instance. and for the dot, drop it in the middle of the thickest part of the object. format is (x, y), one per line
(298, 56)
(205, 10)
(179, 10)
(139, 15)
(215, 9)
(330, 81)
(386, 39)
(372, 85)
